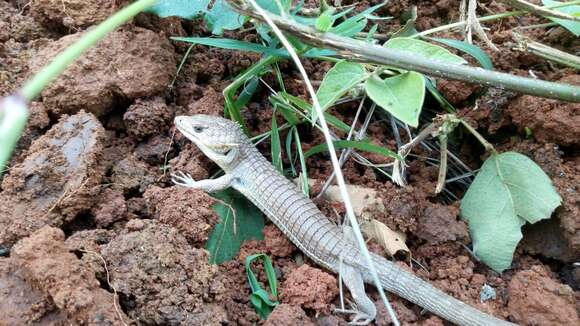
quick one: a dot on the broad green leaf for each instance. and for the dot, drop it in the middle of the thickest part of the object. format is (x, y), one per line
(259, 298)
(574, 10)
(180, 8)
(509, 190)
(424, 49)
(401, 95)
(337, 82)
(473, 50)
(226, 238)
(360, 145)
(222, 17)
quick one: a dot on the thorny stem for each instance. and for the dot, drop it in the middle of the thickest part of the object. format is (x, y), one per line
(335, 164)
(372, 53)
(33, 87)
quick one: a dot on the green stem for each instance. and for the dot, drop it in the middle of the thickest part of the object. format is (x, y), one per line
(371, 53)
(34, 86)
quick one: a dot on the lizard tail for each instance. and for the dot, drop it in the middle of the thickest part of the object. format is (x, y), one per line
(403, 283)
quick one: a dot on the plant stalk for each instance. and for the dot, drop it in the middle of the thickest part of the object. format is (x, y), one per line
(371, 53)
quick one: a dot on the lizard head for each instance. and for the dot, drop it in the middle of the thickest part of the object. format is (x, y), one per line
(218, 138)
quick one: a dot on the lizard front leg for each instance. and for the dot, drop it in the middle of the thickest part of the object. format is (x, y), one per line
(207, 185)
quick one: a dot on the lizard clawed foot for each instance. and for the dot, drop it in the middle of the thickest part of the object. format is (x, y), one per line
(360, 318)
(183, 179)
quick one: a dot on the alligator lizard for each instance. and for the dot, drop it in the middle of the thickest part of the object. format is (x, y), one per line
(250, 173)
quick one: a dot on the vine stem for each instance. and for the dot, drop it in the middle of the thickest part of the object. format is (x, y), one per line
(34, 86)
(371, 53)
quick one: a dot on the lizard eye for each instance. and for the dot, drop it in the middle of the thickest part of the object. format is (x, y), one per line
(198, 129)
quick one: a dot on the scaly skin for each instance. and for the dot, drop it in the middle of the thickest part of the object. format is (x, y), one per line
(300, 220)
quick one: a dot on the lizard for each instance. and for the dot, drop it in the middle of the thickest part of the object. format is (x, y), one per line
(246, 170)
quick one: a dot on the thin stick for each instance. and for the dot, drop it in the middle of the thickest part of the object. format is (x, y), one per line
(333, 158)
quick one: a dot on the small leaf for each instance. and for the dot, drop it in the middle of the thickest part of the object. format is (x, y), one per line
(324, 22)
(360, 145)
(401, 95)
(259, 297)
(473, 50)
(573, 10)
(391, 241)
(179, 8)
(509, 190)
(424, 49)
(226, 238)
(337, 82)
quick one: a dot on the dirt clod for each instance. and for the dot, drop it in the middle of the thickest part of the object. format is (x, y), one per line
(47, 265)
(146, 117)
(163, 280)
(187, 210)
(127, 64)
(537, 299)
(310, 288)
(56, 181)
(287, 315)
(71, 13)
(550, 121)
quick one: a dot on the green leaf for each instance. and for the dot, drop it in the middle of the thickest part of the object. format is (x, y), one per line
(574, 10)
(231, 44)
(307, 108)
(180, 8)
(324, 22)
(438, 96)
(303, 167)
(473, 50)
(259, 298)
(424, 49)
(509, 190)
(401, 95)
(222, 17)
(275, 147)
(228, 235)
(360, 145)
(337, 81)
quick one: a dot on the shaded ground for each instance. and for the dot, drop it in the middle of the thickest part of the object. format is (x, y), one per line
(93, 232)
